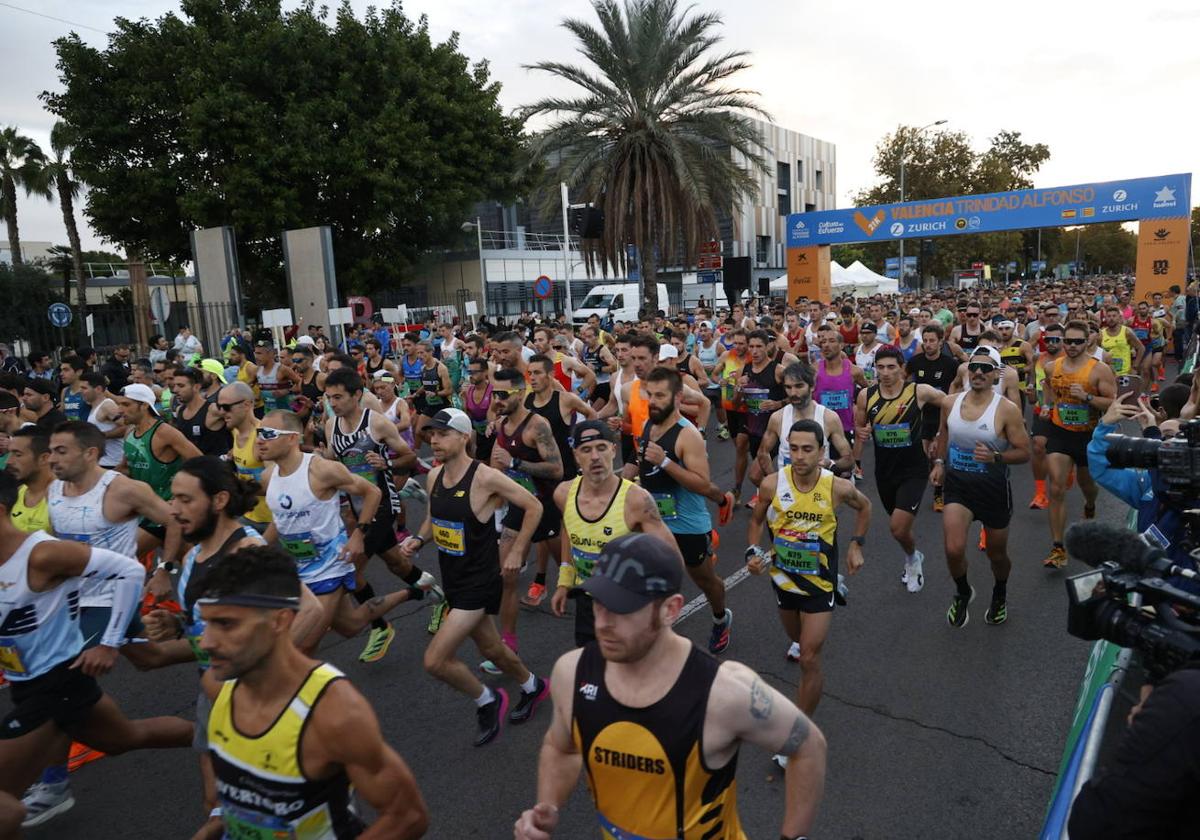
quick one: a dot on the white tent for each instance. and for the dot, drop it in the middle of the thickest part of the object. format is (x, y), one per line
(857, 280)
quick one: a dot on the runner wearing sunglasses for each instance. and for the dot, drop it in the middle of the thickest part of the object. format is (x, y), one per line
(235, 402)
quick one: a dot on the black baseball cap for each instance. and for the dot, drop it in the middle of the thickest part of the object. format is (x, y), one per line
(633, 571)
(591, 430)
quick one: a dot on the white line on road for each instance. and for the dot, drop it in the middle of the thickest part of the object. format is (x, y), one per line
(695, 604)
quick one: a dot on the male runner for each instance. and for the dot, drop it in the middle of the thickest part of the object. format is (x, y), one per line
(673, 467)
(657, 723)
(799, 404)
(799, 503)
(235, 403)
(275, 379)
(303, 491)
(54, 691)
(307, 402)
(374, 360)
(29, 464)
(1120, 342)
(933, 366)
(196, 417)
(835, 385)
(1015, 354)
(105, 416)
(316, 739)
(891, 412)
(361, 438)
(602, 362)
(964, 337)
(981, 434)
(908, 341)
(597, 506)
(71, 399)
(1078, 389)
(1007, 383)
(1035, 389)
(435, 391)
(761, 386)
(725, 372)
(464, 497)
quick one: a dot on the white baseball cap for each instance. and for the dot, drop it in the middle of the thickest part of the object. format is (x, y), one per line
(667, 351)
(142, 394)
(991, 352)
(452, 419)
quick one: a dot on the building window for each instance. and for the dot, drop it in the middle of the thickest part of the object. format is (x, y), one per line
(762, 248)
(799, 172)
(809, 208)
(818, 180)
(783, 187)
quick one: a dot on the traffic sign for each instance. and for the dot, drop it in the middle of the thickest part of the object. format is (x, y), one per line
(710, 255)
(543, 287)
(708, 276)
(60, 314)
(160, 305)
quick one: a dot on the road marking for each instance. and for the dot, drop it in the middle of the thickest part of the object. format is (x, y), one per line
(701, 599)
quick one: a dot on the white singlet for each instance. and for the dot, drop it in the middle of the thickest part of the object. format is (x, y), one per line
(114, 448)
(310, 529)
(81, 518)
(45, 625)
(784, 458)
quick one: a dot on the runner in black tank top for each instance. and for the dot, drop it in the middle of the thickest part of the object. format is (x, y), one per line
(764, 380)
(468, 548)
(558, 427)
(195, 429)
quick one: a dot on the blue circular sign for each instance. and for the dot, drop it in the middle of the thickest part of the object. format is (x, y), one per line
(60, 314)
(542, 287)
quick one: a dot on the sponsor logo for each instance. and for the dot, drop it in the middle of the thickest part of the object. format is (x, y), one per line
(1088, 212)
(1161, 233)
(1119, 208)
(1120, 195)
(829, 228)
(629, 761)
(896, 229)
(1164, 198)
(285, 501)
(607, 530)
(869, 226)
(589, 691)
(1160, 267)
(925, 227)
(973, 223)
(960, 223)
(799, 225)
(801, 259)
(800, 230)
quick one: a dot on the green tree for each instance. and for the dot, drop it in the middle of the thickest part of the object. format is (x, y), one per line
(60, 176)
(27, 295)
(235, 112)
(22, 164)
(653, 134)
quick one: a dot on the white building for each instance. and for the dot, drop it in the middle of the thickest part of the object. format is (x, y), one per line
(30, 250)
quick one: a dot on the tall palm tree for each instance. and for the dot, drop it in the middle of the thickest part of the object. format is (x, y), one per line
(650, 137)
(22, 164)
(59, 173)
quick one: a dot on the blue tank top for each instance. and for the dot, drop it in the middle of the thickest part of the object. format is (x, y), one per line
(683, 511)
(73, 405)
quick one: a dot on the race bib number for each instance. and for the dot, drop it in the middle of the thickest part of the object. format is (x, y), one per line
(10, 658)
(450, 537)
(797, 552)
(300, 546)
(1070, 414)
(241, 824)
(584, 562)
(893, 435)
(666, 506)
(356, 462)
(754, 399)
(963, 460)
(1118, 364)
(836, 400)
(522, 478)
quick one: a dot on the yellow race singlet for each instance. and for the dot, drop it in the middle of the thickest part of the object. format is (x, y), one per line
(30, 519)
(245, 459)
(805, 529)
(1119, 348)
(1012, 357)
(262, 787)
(243, 375)
(588, 537)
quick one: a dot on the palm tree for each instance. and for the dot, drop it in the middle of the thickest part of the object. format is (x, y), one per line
(21, 165)
(60, 174)
(649, 138)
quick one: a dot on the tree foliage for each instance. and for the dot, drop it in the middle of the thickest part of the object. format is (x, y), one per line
(648, 137)
(22, 165)
(239, 113)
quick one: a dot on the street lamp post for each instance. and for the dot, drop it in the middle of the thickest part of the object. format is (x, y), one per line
(482, 268)
(904, 160)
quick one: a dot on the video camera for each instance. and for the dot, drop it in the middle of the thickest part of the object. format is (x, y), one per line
(1125, 564)
(1176, 462)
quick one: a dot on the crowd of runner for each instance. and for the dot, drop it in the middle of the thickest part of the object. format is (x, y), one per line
(219, 513)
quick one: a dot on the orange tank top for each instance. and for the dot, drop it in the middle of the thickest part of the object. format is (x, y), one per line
(639, 409)
(561, 375)
(1072, 413)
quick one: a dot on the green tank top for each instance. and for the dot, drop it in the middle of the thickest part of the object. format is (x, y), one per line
(143, 466)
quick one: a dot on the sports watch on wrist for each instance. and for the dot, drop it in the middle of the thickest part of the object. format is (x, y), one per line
(861, 540)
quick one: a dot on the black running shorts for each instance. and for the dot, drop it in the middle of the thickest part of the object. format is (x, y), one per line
(602, 391)
(695, 548)
(1064, 442)
(63, 695)
(1041, 427)
(905, 494)
(989, 498)
(548, 527)
(808, 603)
(737, 423)
(485, 597)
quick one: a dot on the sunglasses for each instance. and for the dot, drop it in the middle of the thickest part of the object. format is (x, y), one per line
(503, 395)
(227, 406)
(972, 314)
(1075, 342)
(981, 367)
(272, 434)
(356, 352)
(299, 360)
(1054, 340)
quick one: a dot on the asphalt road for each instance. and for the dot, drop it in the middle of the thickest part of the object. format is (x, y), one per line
(932, 731)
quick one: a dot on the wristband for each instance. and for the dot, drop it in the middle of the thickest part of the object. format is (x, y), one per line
(666, 460)
(419, 537)
(216, 812)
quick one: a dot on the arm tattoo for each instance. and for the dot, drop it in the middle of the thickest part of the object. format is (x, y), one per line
(650, 510)
(797, 737)
(551, 466)
(760, 700)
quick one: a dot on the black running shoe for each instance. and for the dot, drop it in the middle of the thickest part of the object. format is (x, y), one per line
(997, 611)
(957, 615)
(491, 718)
(529, 702)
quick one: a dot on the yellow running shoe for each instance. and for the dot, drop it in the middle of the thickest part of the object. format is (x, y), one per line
(377, 644)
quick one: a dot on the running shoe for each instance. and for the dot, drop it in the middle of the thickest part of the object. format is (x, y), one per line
(858, 474)
(529, 702)
(491, 717)
(722, 432)
(412, 489)
(718, 640)
(488, 667)
(781, 761)
(957, 615)
(535, 595)
(841, 591)
(45, 802)
(914, 572)
(1089, 511)
(793, 653)
(725, 509)
(1056, 559)
(997, 611)
(436, 617)
(753, 501)
(378, 642)
(1040, 502)
(429, 585)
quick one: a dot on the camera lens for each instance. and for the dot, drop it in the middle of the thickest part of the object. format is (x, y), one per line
(1126, 452)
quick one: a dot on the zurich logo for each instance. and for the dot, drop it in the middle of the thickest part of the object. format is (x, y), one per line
(285, 501)
(1120, 195)
(897, 228)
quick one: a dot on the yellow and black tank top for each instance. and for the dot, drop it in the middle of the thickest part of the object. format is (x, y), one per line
(262, 789)
(30, 518)
(1012, 356)
(645, 767)
(249, 466)
(896, 430)
(588, 537)
(804, 526)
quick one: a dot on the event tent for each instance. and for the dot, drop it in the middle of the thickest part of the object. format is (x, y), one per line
(857, 280)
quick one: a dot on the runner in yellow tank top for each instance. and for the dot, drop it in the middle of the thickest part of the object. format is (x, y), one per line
(1120, 343)
(28, 463)
(658, 723)
(235, 401)
(1078, 389)
(597, 506)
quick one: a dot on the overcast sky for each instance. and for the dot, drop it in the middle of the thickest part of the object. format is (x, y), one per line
(1109, 86)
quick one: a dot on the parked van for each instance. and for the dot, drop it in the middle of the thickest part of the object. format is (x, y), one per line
(615, 302)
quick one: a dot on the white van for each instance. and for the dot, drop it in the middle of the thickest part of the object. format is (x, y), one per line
(615, 302)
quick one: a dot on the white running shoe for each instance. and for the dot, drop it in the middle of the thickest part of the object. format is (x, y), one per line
(45, 802)
(412, 489)
(793, 654)
(781, 761)
(914, 573)
(429, 585)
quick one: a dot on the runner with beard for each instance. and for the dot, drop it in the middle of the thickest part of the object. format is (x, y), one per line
(465, 497)
(477, 403)
(317, 741)
(525, 451)
(29, 463)
(597, 506)
(891, 412)
(105, 416)
(196, 417)
(761, 385)
(307, 402)
(936, 367)
(1015, 354)
(837, 381)
(798, 382)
